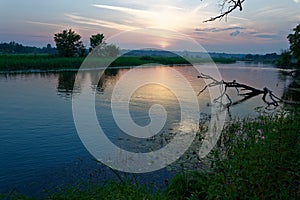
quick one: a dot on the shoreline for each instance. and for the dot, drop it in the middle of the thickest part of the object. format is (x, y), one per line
(34, 71)
(31, 71)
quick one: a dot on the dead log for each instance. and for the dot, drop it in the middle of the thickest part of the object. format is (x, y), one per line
(243, 90)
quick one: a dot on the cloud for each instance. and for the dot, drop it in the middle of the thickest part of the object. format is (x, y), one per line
(262, 35)
(97, 22)
(266, 36)
(131, 11)
(235, 33)
(45, 24)
(243, 32)
(215, 30)
(296, 1)
(157, 16)
(200, 8)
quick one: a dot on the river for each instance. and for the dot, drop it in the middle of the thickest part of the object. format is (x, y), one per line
(40, 147)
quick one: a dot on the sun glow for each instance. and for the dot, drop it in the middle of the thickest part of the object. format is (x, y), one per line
(171, 18)
(160, 17)
(164, 44)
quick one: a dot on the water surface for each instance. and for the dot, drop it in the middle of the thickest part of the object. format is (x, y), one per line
(39, 143)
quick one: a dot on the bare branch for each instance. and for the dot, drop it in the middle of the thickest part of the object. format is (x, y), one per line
(268, 97)
(231, 6)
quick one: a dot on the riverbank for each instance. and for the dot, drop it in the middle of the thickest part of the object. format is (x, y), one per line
(40, 62)
(255, 159)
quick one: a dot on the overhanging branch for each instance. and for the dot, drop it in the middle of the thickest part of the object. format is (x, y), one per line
(231, 5)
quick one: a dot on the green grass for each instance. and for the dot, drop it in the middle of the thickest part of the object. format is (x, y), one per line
(16, 62)
(254, 159)
(13, 62)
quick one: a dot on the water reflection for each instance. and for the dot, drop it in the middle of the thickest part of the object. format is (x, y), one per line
(66, 82)
(23, 76)
(109, 73)
(139, 105)
(65, 86)
(256, 76)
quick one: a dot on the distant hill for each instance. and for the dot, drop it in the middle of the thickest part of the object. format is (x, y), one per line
(153, 52)
(148, 52)
(270, 57)
(162, 53)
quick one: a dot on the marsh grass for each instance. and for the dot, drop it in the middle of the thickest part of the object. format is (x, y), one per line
(254, 159)
(17, 62)
(13, 62)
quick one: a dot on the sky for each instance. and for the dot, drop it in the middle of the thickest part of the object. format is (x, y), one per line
(262, 26)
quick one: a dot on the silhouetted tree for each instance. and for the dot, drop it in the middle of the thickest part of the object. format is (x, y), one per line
(110, 50)
(81, 50)
(284, 59)
(96, 40)
(100, 47)
(294, 40)
(68, 43)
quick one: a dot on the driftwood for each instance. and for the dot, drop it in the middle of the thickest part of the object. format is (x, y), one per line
(248, 92)
(231, 5)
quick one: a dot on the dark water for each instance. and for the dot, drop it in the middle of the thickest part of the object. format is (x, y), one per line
(40, 147)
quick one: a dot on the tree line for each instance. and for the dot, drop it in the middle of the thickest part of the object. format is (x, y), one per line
(14, 47)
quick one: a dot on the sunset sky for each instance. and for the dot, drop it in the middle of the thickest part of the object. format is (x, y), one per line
(261, 27)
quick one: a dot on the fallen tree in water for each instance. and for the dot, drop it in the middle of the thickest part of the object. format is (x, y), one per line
(243, 90)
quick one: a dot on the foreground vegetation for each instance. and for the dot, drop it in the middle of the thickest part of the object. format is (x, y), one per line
(254, 159)
(15, 62)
